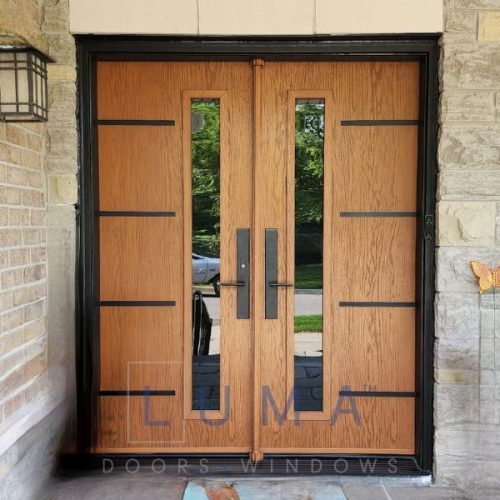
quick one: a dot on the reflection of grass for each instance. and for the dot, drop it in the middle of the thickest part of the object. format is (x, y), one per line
(308, 324)
(309, 276)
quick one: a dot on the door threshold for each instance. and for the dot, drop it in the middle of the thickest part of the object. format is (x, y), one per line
(240, 465)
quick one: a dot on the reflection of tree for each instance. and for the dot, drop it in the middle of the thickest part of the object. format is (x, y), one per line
(206, 177)
(309, 139)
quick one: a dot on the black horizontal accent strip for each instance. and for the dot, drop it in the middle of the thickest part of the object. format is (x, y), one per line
(137, 393)
(157, 123)
(126, 303)
(377, 304)
(377, 123)
(377, 394)
(378, 214)
(118, 213)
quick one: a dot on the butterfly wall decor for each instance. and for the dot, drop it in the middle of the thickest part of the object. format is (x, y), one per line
(487, 278)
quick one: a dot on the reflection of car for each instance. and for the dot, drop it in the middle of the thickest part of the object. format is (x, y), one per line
(207, 270)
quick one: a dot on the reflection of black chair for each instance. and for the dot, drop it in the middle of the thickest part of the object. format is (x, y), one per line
(202, 326)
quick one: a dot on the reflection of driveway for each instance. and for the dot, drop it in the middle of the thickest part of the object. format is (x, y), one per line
(307, 302)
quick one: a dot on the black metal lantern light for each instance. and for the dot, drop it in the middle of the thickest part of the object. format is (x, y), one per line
(23, 84)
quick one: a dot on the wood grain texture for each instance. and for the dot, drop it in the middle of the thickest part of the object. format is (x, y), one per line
(137, 335)
(150, 258)
(140, 258)
(375, 168)
(370, 259)
(143, 161)
(366, 169)
(374, 259)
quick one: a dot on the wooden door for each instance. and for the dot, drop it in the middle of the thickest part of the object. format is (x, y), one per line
(174, 189)
(336, 187)
(308, 167)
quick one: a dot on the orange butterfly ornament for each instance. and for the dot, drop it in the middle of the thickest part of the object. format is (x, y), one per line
(488, 278)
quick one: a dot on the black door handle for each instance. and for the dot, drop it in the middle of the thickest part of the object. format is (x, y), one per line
(271, 276)
(242, 283)
(237, 283)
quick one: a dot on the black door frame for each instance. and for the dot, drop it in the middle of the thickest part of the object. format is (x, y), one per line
(423, 48)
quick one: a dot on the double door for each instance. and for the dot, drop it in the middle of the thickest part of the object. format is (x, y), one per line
(257, 236)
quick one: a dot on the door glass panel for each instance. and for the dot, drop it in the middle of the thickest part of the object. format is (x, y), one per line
(308, 320)
(205, 154)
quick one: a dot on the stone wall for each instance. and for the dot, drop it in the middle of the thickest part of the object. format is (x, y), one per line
(467, 402)
(37, 249)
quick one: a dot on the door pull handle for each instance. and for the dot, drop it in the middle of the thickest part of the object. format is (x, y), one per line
(236, 283)
(242, 283)
(271, 274)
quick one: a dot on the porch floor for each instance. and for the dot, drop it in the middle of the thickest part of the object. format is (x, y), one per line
(120, 485)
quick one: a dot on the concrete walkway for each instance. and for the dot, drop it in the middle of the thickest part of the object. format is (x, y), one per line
(120, 485)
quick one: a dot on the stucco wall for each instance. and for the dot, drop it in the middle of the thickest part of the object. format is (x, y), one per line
(256, 17)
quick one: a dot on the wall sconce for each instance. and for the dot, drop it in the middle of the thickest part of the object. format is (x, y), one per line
(23, 84)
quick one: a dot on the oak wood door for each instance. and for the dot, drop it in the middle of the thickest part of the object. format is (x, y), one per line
(318, 162)
(336, 182)
(174, 187)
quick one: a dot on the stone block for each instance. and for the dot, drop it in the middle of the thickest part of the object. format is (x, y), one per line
(61, 72)
(446, 376)
(467, 106)
(4, 259)
(454, 273)
(55, 16)
(11, 278)
(38, 254)
(471, 147)
(35, 310)
(11, 340)
(259, 17)
(34, 236)
(38, 217)
(12, 319)
(34, 273)
(61, 46)
(467, 185)
(10, 237)
(63, 189)
(10, 195)
(470, 65)
(15, 134)
(19, 216)
(455, 404)
(477, 4)
(489, 27)
(473, 475)
(62, 142)
(32, 198)
(466, 223)
(457, 330)
(5, 300)
(8, 154)
(24, 177)
(28, 294)
(19, 256)
(468, 444)
(460, 26)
